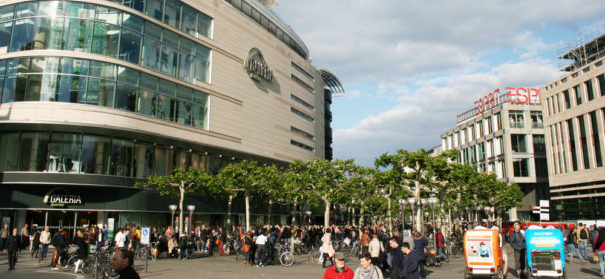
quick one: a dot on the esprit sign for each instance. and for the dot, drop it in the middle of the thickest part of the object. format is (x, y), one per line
(61, 198)
(513, 95)
(256, 66)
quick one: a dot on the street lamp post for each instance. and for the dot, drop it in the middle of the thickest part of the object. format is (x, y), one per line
(412, 202)
(423, 202)
(308, 213)
(191, 208)
(172, 208)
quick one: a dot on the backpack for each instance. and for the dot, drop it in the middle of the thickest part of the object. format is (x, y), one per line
(583, 234)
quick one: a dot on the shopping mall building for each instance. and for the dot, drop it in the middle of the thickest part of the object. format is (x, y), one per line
(96, 95)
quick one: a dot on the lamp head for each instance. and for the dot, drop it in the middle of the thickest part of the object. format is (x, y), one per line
(172, 207)
(412, 200)
(191, 207)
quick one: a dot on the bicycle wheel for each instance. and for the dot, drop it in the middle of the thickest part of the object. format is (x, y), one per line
(88, 265)
(286, 259)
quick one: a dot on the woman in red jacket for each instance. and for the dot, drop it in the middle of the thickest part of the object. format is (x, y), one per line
(599, 249)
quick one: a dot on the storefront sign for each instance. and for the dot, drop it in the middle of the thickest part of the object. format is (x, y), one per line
(514, 95)
(61, 198)
(256, 66)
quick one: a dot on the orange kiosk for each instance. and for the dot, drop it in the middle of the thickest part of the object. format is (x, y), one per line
(483, 254)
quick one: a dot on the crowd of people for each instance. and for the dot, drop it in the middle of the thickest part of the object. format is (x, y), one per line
(400, 255)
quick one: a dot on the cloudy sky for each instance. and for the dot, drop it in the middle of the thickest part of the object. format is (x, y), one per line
(409, 67)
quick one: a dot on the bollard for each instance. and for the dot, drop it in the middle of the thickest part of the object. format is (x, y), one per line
(146, 257)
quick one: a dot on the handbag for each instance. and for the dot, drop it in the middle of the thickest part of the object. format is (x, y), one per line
(595, 257)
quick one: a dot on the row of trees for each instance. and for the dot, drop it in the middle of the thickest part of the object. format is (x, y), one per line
(370, 190)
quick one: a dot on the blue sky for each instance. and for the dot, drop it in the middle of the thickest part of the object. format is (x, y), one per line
(409, 67)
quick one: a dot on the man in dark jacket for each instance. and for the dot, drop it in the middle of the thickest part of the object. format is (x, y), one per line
(420, 242)
(517, 241)
(410, 263)
(59, 242)
(396, 259)
(12, 247)
(122, 262)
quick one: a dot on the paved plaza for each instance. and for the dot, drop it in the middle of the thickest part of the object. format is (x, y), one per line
(227, 267)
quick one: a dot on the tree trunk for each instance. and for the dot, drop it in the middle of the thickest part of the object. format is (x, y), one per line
(389, 214)
(294, 211)
(418, 213)
(269, 211)
(229, 203)
(361, 212)
(327, 215)
(353, 216)
(247, 201)
(182, 197)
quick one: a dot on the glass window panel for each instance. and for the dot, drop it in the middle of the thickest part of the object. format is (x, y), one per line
(202, 70)
(147, 103)
(130, 46)
(184, 93)
(64, 154)
(48, 88)
(204, 25)
(154, 9)
(149, 81)
(78, 35)
(100, 92)
(24, 31)
(153, 30)
(105, 39)
(95, 154)
(33, 152)
(135, 4)
(80, 10)
(26, 9)
(102, 70)
(188, 21)
(133, 22)
(32, 92)
(8, 152)
(162, 162)
(51, 8)
(121, 157)
(128, 75)
(72, 89)
(6, 13)
(168, 60)
(126, 96)
(167, 88)
(1, 86)
(170, 38)
(8, 92)
(186, 65)
(172, 13)
(74, 66)
(109, 15)
(184, 110)
(5, 35)
(20, 85)
(199, 115)
(151, 53)
(144, 160)
(163, 107)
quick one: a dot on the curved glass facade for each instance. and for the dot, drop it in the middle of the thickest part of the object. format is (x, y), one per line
(102, 30)
(58, 152)
(72, 80)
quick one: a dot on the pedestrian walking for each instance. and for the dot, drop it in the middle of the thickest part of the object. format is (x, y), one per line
(44, 243)
(13, 246)
(420, 243)
(583, 235)
(35, 243)
(599, 250)
(261, 241)
(410, 268)
(339, 270)
(366, 269)
(377, 252)
(326, 248)
(396, 259)
(4, 233)
(517, 241)
(572, 244)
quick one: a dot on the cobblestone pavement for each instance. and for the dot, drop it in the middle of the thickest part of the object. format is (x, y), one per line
(28, 267)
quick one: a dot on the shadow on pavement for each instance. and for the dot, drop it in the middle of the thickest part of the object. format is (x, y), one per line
(595, 272)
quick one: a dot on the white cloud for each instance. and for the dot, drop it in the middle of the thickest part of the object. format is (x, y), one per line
(422, 115)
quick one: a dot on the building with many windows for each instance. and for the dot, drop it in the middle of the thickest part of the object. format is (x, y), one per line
(574, 107)
(96, 95)
(504, 135)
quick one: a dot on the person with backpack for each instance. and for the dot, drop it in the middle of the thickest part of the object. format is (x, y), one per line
(583, 242)
(572, 244)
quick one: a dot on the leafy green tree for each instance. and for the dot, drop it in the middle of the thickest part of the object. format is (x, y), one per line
(177, 185)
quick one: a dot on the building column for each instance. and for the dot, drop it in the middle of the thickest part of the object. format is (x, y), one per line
(20, 218)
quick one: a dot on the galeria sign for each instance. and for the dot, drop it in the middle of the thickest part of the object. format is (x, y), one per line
(256, 66)
(513, 95)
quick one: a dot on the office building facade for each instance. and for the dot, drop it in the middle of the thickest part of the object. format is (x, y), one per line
(574, 107)
(504, 135)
